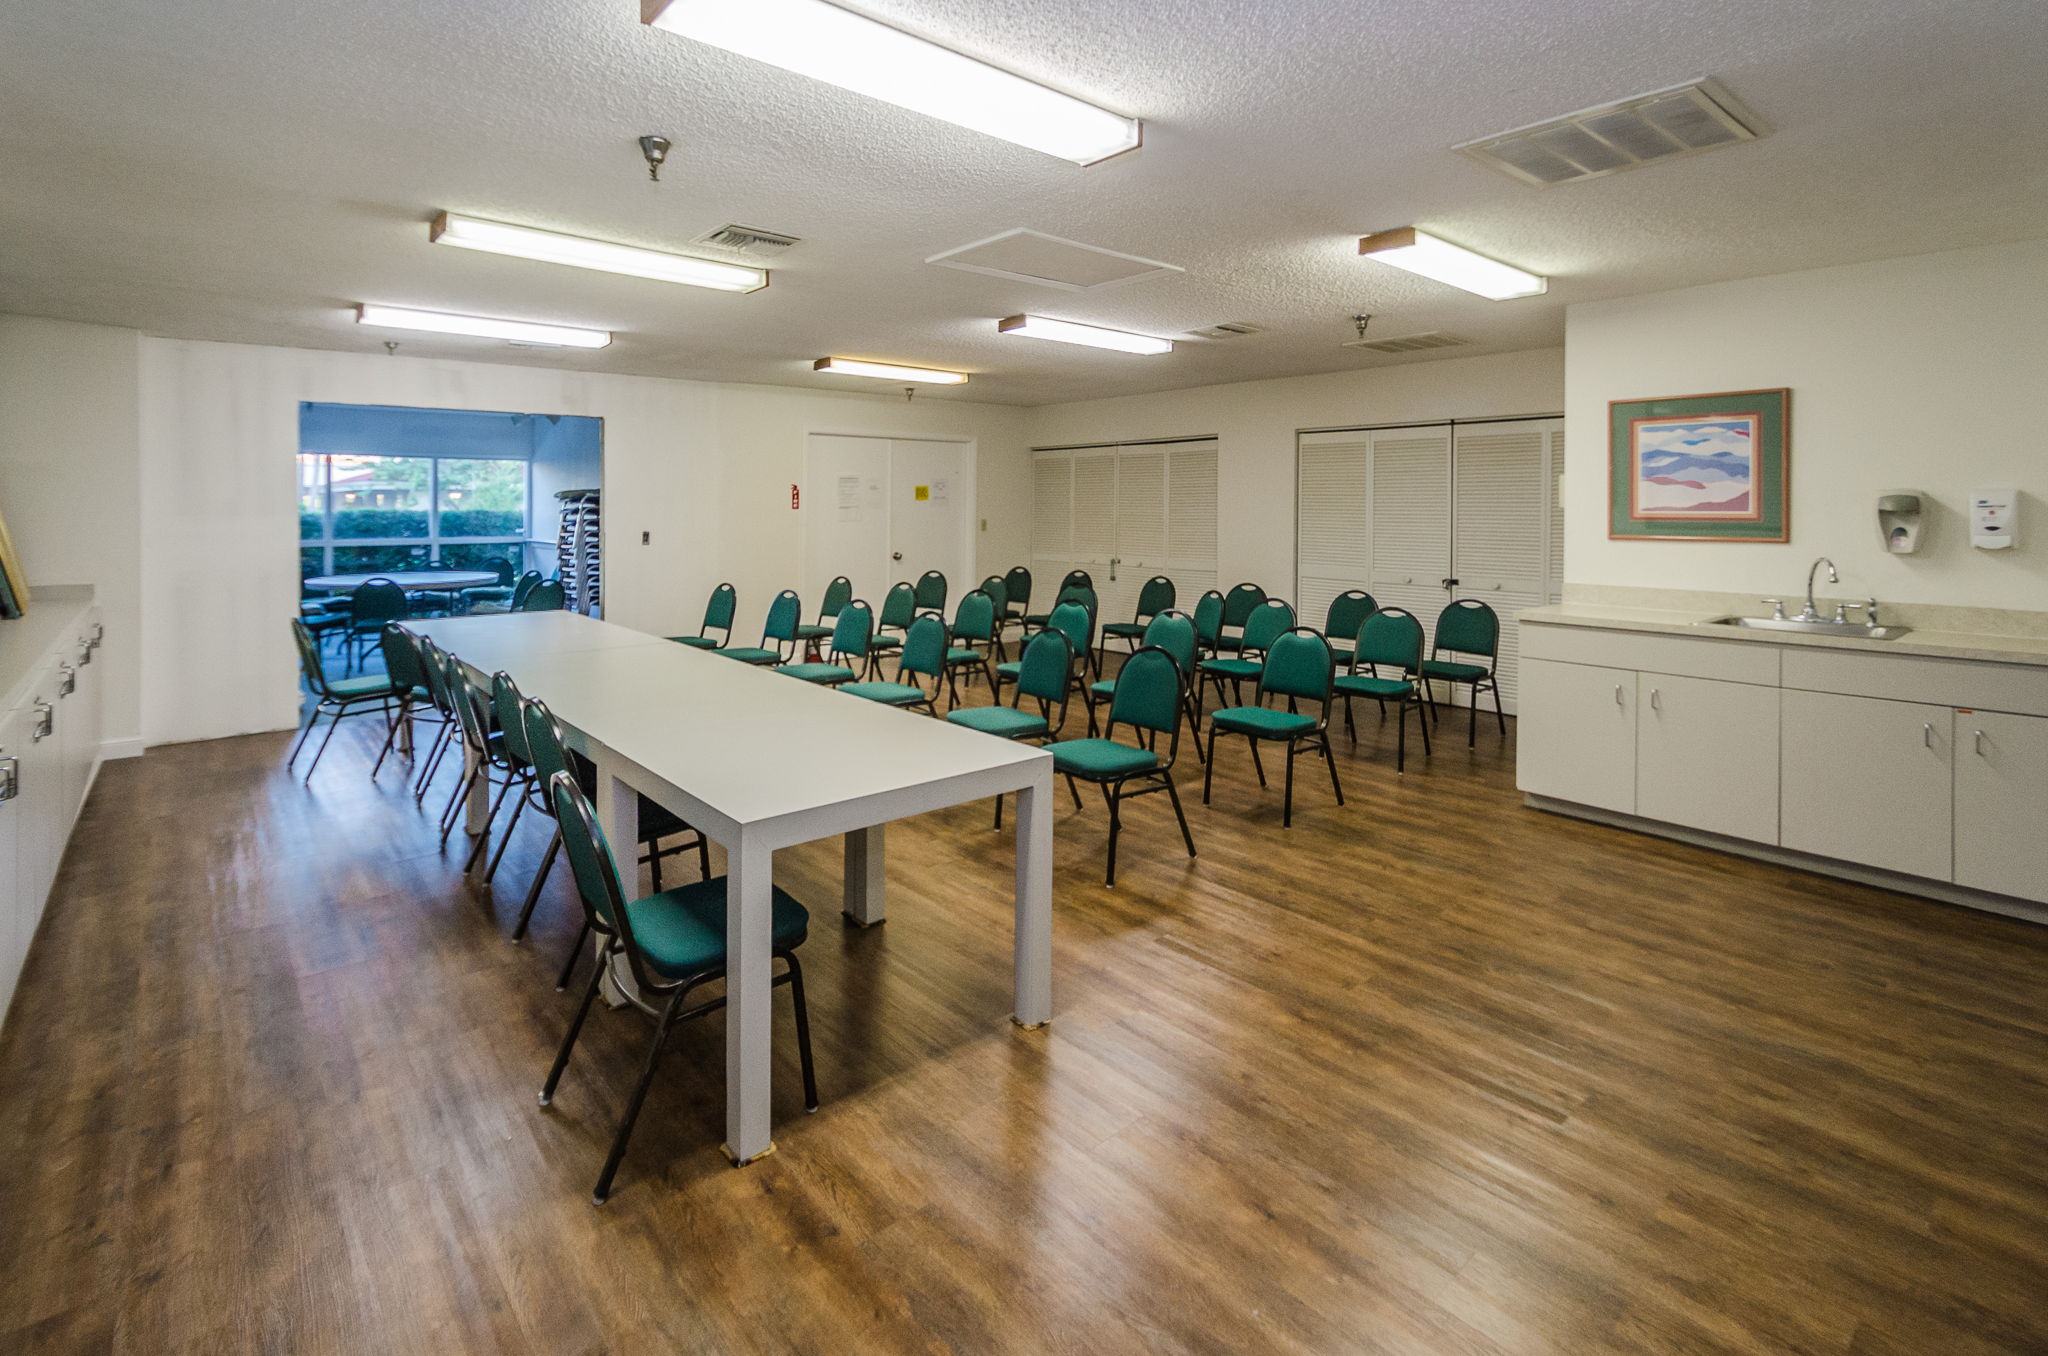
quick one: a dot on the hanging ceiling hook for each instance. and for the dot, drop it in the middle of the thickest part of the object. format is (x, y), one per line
(1361, 321)
(655, 149)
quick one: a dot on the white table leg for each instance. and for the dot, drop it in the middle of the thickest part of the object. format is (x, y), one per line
(618, 814)
(1034, 903)
(866, 852)
(749, 986)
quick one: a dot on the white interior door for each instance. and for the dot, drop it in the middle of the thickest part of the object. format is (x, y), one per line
(1190, 521)
(929, 511)
(1094, 530)
(846, 523)
(1052, 525)
(1502, 521)
(1332, 522)
(1408, 490)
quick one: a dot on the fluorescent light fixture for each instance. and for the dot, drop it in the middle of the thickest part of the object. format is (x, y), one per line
(854, 52)
(480, 327)
(1093, 336)
(854, 367)
(1425, 254)
(524, 242)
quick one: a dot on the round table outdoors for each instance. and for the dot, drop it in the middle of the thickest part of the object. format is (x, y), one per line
(405, 579)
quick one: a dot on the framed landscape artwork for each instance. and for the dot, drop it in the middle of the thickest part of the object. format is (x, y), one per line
(13, 584)
(1701, 468)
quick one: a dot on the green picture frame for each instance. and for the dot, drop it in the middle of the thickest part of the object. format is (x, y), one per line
(1714, 467)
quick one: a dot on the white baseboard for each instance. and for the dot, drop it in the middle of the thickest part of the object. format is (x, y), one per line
(1942, 890)
(121, 748)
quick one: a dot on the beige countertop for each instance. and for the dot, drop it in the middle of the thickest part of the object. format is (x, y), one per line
(1995, 649)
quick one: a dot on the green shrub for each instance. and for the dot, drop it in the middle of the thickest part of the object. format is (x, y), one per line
(355, 524)
(482, 523)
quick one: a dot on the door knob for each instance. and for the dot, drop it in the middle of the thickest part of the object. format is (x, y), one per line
(895, 555)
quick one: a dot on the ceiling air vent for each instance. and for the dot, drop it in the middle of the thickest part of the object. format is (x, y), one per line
(1409, 343)
(748, 240)
(1230, 329)
(1627, 134)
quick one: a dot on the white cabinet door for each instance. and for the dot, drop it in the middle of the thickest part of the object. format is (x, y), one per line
(1576, 739)
(1707, 755)
(2002, 803)
(1868, 781)
(15, 923)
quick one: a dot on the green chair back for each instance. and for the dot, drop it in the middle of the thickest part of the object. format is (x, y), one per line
(548, 595)
(434, 673)
(931, 591)
(544, 746)
(1157, 594)
(924, 647)
(838, 594)
(1468, 626)
(899, 605)
(509, 706)
(783, 614)
(310, 662)
(1017, 586)
(1078, 579)
(1267, 623)
(1075, 621)
(1348, 611)
(1208, 619)
(998, 592)
(528, 582)
(376, 601)
(1298, 664)
(1240, 602)
(597, 875)
(1078, 593)
(852, 629)
(975, 618)
(401, 657)
(466, 700)
(1173, 632)
(1046, 670)
(719, 611)
(1390, 636)
(1148, 695)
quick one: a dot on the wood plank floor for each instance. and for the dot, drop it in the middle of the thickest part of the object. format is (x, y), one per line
(1432, 1073)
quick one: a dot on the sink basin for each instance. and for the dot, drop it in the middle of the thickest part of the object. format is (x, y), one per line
(1852, 630)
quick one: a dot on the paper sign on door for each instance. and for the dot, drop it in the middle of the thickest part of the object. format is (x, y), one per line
(921, 493)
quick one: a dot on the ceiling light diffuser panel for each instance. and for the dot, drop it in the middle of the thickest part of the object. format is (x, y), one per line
(480, 327)
(1071, 332)
(839, 47)
(1430, 257)
(854, 367)
(552, 247)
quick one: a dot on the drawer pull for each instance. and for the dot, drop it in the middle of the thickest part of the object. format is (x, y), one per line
(1617, 694)
(10, 777)
(1656, 704)
(46, 724)
(1979, 742)
(70, 683)
(1927, 734)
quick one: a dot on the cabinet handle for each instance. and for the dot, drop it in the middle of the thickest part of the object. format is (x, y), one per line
(1979, 743)
(46, 724)
(1655, 703)
(70, 684)
(10, 777)
(1927, 734)
(1617, 694)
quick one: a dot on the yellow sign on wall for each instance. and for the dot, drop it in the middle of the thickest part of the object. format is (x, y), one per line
(923, 493)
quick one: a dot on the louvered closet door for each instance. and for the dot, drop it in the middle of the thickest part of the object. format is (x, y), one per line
(1094, 524)
(1140, 530)
(1502, 526)
(1408, 489)
(1052, 536)
(1333, 530)
(1190, 521)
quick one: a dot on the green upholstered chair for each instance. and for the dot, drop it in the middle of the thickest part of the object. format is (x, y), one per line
(1017, 593)
(850, 658)
(998, 591)
(1148, 700)
(899, 610)
(549, 595)
(931, 592)
(1389, 638)
(373, 604)
(1238, 606)
(408, 678)
(486, 760)
(1155, 596)
(674, 942)
(528, 582)
(778, 633)
(1348, 611)
(1466, 627)
(433, 666)
(492, 596)
(1045, 672)
(548, 754)
(508, 718)
(838, 594)
(974, 624)
(1174, 632)
(334, 697)
(718, 613)
(1298, 668)
(1076, 579)
(1208, 624)
(923, 658)
(1076, 621)
(1269, 620)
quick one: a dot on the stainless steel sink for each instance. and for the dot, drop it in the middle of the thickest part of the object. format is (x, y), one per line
(1851, 630)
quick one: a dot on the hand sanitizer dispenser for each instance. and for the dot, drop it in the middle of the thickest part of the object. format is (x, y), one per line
(1994, 517)
(1898, 522)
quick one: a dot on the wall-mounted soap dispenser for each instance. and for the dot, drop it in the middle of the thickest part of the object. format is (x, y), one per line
(1994, 517)
(1898, 522)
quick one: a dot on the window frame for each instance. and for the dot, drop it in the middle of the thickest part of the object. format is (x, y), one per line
(327, 543)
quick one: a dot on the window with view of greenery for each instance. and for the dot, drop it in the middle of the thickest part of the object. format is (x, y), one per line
(362, 514)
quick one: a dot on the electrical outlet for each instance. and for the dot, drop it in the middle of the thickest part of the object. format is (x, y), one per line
(984, 524)
(646, 538)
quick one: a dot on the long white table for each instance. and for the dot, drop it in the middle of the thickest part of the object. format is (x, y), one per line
(760, 761)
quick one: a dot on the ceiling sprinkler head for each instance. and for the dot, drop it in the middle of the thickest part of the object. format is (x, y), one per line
(1361, 321)
(655, 148)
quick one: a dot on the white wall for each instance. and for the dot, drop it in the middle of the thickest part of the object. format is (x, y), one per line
(69, 482)
(1927, 374)
(1255, 423)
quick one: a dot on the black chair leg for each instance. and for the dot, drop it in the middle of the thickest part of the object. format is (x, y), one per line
(504, 838)
(1401, 740)
(1287, 798)
(483, 840)
(547, 1089)
(1115, 827)
(1499, 716)
(999, 813)
(1350, 727)
(803, 1032)
(703, 855)
(1075, 792)
(1472, 721)
(333, 722)
(1423, 725)
(1209, 764)
(1257, 765)
(300, 743)
(1330, 757)
(1174, 796)
(547, 864)
(603, 1190)
(391, 738)
(575, 952)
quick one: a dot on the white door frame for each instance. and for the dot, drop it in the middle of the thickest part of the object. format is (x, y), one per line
(970, 524)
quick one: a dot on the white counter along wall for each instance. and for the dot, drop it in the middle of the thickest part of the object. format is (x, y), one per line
(1916, 374)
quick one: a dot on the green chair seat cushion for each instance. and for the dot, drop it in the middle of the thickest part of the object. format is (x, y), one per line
(813, 631)
(1098, 758)
(749, 655)
(1363, 685)
(818, 673)
(886, 643)
(960, 654)
(890, 694)
(1262, 722)
(1233, 668)
(357, 689)
(1006, 721)
(1457, 673)
(696, 642)
(1037, 618)
(682, 931)
(1007, 671)
(1103, 690)
(1130, 630)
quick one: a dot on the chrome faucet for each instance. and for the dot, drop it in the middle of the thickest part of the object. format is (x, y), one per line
(1812, 612)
